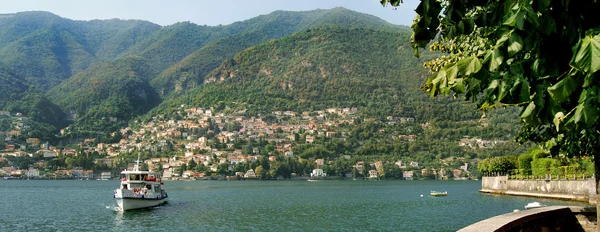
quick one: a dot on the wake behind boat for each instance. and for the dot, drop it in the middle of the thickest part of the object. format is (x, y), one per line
(140, 189)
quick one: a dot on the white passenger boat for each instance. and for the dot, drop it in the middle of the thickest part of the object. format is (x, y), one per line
(140, 189)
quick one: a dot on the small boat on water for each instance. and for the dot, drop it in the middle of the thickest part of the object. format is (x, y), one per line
(140, 189)
(439, 194)
(534, 205)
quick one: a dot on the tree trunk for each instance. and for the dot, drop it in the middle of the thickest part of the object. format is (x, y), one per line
(596, 175)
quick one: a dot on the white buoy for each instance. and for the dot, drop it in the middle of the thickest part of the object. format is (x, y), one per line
(421, 195)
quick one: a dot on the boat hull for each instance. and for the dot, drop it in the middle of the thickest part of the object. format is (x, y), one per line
(138, 203)
(439, 194)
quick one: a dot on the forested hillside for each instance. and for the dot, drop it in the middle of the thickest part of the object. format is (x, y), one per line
(328, 67)
(189, 73)
(315, 69)
(97, 77)
(338, 67)
(46, 49)
(12, 86)
(106, 95)
(43, 52)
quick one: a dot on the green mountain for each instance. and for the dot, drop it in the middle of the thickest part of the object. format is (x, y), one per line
(106, 72)
(105, 96)
(163, 47)
(172, 43)
(340, 67)
(189, 73)
(110, 39)
(46, 49)
(317, 69)
(12, 86)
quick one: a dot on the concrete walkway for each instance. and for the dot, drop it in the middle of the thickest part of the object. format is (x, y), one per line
(541, 195)
(552, 218)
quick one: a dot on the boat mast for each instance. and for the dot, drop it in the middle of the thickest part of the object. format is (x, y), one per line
(137, 164)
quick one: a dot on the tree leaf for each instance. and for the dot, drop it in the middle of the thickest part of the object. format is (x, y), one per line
(521, 20)
(583, 96)
(515, 44)
(511, 20)
(558, 117)
(496, 60)
(587, 57)
(585, 113)
(503, 35)
(532, 17)
(562, 90)
(543, 5)
(459, 86)
(528, 114)
(391, 2)
(503, 90)
(451, 73)
(468, 66)
(520, 90)
(525, 94)
(438, 83)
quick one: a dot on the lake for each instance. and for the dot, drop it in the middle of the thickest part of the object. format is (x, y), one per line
(79, 205)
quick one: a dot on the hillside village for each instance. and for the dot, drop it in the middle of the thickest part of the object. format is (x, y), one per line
(216, 144)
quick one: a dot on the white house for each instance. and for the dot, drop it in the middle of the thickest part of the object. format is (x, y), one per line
(46, 153)
(105, 175)
(373, 174)
(32, 173)
(318, 173)
(250, 174)
(465, 167)
(408, 175)
(400, 164)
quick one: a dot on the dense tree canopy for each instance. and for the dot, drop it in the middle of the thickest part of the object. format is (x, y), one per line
(541, 55)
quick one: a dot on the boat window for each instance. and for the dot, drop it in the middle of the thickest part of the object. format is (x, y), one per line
(134, 177)
(125, 186)
(148, 187)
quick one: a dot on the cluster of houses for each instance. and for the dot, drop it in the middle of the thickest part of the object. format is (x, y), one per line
(159, 134)
(34, 173)
(479, 143)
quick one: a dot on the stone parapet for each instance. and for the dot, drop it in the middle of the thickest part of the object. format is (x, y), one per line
(579, 190)
(552, 218)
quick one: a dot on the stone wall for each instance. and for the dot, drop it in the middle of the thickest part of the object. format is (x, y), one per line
(580, 190)
(496, 183)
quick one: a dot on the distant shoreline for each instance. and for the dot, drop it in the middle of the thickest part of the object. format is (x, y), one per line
(245, 179)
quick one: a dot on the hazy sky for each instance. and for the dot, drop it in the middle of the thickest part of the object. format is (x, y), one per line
(201, 12)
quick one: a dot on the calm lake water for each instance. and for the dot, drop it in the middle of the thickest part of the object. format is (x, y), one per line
(73, 205)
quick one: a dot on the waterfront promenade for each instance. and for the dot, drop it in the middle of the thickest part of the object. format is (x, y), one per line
(551, 218)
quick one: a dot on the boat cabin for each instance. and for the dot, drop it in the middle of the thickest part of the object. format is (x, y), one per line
(145, 180)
